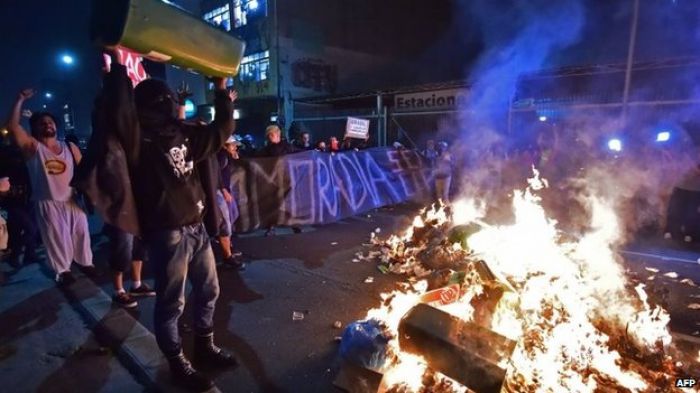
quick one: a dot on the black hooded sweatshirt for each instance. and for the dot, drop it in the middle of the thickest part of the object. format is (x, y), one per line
(166, 184)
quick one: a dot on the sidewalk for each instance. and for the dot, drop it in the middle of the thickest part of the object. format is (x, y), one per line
(276, 352)
(45, 345)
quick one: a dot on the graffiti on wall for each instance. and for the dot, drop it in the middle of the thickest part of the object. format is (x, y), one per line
(315, 74)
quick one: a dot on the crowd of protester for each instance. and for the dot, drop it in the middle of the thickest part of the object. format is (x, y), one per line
(152, 176)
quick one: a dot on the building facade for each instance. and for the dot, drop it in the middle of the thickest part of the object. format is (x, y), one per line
(291, 53)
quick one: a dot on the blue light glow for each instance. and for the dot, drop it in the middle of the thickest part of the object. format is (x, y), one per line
(253, 5)
(189, 108)
(663, 136)
(48, 95)
(543, 118)
(615, 145)
(67, 59)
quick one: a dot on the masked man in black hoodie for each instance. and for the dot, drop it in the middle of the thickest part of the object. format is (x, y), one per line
(161, 154)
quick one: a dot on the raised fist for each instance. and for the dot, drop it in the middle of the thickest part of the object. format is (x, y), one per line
(25, 94)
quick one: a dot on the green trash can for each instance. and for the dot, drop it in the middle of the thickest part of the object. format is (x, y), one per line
(165, 33)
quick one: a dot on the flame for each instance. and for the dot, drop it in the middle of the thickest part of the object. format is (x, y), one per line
(408, 371)
(567, 303)
(465, 211)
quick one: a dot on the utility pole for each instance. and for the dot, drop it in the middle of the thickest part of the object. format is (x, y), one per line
(277, 61)
(630, 61)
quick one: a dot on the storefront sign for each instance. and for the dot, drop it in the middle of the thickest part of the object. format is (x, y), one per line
(450, 99)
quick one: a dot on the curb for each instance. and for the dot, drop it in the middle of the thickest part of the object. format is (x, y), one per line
(135, 345)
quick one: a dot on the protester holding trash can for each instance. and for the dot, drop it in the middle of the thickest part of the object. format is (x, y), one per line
(170, 202)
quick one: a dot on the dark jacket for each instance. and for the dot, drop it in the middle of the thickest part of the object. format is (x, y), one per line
(169, 188)
(278, 149)
(104, 172)
(226, 168)
(299, 145)
(163, 161)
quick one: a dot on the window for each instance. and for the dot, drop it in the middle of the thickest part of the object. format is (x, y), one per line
(245, 11)
(219, 17)
(255, 67)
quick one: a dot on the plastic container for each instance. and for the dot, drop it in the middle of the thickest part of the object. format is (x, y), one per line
(165, 33)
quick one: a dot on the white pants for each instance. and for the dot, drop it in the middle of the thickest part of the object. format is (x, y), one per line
(64, 230)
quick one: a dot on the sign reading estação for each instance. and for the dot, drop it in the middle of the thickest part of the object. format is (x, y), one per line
(132, 62)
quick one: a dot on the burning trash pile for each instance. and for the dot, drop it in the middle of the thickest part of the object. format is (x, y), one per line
(512, 308)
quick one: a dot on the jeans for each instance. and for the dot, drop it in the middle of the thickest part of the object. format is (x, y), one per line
(177, 255)
(123, 248)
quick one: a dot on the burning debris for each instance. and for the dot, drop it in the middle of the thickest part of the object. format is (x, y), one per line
(517, 308)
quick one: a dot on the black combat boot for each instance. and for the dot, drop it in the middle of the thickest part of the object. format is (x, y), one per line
(184, 375)
(208, 354)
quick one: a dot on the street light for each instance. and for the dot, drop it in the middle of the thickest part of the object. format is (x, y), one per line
(663, 136)
(615, 145)
(48, 95)
(67, 59)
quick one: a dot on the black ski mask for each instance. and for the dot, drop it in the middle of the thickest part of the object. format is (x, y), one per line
(155, 103)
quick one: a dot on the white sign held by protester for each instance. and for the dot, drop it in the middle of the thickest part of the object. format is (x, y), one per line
(357, 128)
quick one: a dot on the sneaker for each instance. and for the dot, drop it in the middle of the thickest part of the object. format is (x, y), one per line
(296, 229)
(142, 290)
(236, 254)
(270, 231)
(125, 300)
(232, 262)
(65, 278)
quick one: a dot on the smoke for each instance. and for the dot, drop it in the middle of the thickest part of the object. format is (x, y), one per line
(522, 37)
(518, 39)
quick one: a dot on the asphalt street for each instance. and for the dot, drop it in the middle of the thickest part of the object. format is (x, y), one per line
(311, 274)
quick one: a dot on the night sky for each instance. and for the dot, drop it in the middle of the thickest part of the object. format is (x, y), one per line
(35, 34)
(431, 41)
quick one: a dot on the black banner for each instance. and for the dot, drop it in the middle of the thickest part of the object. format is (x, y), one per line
(312, 187)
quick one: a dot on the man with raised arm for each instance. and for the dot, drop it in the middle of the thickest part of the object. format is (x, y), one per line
(62, 223)
(170, 202)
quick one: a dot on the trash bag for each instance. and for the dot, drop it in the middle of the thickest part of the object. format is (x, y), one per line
(364, 344)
